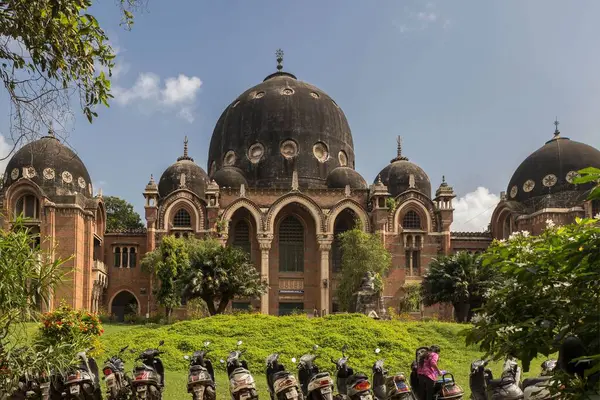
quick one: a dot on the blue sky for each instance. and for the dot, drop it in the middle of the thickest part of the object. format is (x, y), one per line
(473, 87)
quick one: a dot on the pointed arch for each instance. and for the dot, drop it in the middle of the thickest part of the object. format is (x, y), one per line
(249, 205)
(342, 205)
(188, 200)
(416, 206)
(309, 204)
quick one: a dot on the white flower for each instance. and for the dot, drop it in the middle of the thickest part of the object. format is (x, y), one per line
(597, 216)
(525, 233)
(550, 224)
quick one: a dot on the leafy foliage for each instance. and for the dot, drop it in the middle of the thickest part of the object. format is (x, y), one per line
(549, 289)
(587, 175)
(411, 299)
(220, 274)
(362, 252)
(460, 279)
(168, 262)
(120, 214)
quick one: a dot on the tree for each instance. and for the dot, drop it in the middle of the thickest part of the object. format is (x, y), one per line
(120, 214)
(50, 50)
(362, 252)
(219, 274)
(168, 263)
(459, 279)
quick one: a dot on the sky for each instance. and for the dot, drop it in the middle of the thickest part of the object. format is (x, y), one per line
(473, 87)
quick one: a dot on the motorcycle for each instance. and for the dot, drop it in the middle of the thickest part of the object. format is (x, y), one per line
(445, 387)
(201, 376)
(83, 381)
(538, 388)
(389, 387)
(241, 382)
(414, 377)
(282, 384)
(349, 384)
(315, 385)
(118, 384)
(149, 378)
(32, 387)
(484, 386)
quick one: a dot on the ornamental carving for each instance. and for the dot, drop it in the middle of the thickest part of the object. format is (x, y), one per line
(81, 182)
(67, 177)
(571, 175)
(199, 206)
(425, 202)
(528, 186)
(302, 202)
(343, 158)
(513, 191)
(229, 158)
(14, 174)
(289, 149)
(347, 204)
(320, 151)
(287, 92)
(49, 174)
(255, 153)
(29, 172)
(549, 180)
(314, 95)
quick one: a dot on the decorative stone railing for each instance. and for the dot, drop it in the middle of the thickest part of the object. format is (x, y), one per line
(100, 276)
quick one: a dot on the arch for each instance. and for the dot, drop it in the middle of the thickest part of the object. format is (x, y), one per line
(100, 218)
(182, 219)
(27, 205)
(122, 303)
(194, 205)
(249, 205)
(498, 220)
(242, 235)
(308, 203)
(417, 207)
(22, 188)
(343, 205)
(195, 214)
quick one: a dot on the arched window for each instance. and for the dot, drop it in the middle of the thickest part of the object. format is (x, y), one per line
(291, 245)
(117, 257)
(124, 257)
(132, 257)
(411, 220)
(27, 206)
(241, 236)
(182, 219)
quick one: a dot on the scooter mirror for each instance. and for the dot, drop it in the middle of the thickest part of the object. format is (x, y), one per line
(161, 342)
(186, 357)
(206, 343)
(239, 343)
(315, 347)
(377, 350)
(294, 360)
(222, 361)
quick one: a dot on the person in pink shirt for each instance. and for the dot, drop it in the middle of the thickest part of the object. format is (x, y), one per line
(428, 372)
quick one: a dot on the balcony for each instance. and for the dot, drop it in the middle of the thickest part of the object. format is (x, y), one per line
(100, 276)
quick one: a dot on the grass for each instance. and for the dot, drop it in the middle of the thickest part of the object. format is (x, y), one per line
(291, 337)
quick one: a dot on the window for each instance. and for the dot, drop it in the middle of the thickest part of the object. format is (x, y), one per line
(132, 257)
(416, 263)
(291, 245)
(336, 248)
(117, 257)
(27, 206)
(182, 219)
(241, 236)
(411, 220)
(595, 208)
(290, 308)
(407, 255)
(125, 256)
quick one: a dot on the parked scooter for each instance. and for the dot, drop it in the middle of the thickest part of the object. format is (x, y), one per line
(484, 386)
(414, 377)
(82, 381)
(201, 377)
(32, 387)
(149, 378)
(241, 382)
(315, 385)
(118, 384)
(351, 385)
(445, 387)
(282, 384)
(387, 387)
(538, 388)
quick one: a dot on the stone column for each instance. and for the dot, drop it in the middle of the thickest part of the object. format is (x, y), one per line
(325, 248)
(265, 248)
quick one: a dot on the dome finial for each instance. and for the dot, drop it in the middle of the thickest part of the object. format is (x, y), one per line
(556, 131)
(399, 155)
(279, 55)
(185, 151)
(51, 130)
(443, 178)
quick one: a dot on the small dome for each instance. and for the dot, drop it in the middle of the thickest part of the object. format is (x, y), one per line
(551, 169)
(52, 166)
(342, 176)
(230, 177)
(185, 173)
(401, 175)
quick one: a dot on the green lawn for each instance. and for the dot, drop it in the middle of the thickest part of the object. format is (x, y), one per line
(291, 337)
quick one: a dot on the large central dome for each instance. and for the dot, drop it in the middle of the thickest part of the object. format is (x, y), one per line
(276, 127)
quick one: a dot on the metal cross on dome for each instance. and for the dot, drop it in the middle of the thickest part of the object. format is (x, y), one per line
(279, 55)
(556, 123)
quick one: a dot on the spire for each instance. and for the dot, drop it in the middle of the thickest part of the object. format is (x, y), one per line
(185, 151)
(556, 131)
(399, 155)
(279, 55)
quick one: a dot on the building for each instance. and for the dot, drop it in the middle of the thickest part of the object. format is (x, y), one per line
(280, 183)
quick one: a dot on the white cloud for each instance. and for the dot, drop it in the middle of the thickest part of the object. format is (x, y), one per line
(178, 94)
(5, 149)
(426, 16)
(420, 20)
(473, 211)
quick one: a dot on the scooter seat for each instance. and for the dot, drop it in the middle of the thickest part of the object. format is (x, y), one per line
(197, 368)
(502, 382)
(534, 381)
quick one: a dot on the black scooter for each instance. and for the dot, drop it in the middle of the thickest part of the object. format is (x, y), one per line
(351, 385)
(82, 381)
(201, 376)
(282, 384)
(484, 386)
(387, 387)
(118, 384)
(315, 385)
(241, 381)
(149, 378)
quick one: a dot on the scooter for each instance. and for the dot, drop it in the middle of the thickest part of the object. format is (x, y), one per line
(118, 384)
(149, 378)
(484, 386)
(414, 376)
(351, 385)
(241, 382)
(387, 387)
(201, 376)
(82, 381)
(315, 385)
(445, 387)
(538, 388)
(32, 387)
(282, 384)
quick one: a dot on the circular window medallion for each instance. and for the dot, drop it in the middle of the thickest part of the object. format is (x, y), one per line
(81, 182)
(255, 153)
(229, 158)
(571, 175)
(67, 177)
(49, 174)
(314, 94)
(343, 158)
(258, 95)
(287, 92)
(29, 172)
(528, 186)
(289, 149)
(549, 180)
(14, 174)
(513, 191)
(320, 151)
